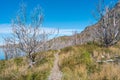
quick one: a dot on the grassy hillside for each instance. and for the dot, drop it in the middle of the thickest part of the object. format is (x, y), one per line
(17, 69)
(76, 63)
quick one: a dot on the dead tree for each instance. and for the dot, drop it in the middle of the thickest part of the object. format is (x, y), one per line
(108, 31)
(10, 49)
(48, 39)
(27, 33)
(28, 36)
(6, 49)
(75, 37)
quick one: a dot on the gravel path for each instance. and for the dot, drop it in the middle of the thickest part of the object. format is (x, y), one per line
(55, 74)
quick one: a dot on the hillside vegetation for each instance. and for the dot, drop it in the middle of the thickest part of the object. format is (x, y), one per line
(75, 62)
(93, 54)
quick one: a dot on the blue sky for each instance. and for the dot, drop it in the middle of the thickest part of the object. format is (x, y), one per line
(66, 15)
(61, 13)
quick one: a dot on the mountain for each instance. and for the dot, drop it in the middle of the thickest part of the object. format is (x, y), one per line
(73, 57)
(90, 32)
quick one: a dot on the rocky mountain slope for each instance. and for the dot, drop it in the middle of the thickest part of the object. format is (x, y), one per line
(89, 34)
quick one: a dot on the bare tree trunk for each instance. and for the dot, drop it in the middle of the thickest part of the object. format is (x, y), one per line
(109, 22)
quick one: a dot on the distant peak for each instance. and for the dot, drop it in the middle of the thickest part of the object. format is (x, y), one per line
(118, 4)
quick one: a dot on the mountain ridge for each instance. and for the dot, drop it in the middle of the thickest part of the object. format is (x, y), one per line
(89, 34)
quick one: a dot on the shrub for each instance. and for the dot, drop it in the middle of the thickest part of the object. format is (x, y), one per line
(18, 61)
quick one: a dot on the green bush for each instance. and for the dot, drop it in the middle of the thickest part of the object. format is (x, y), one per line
(67, 49)
(2, 65)
(18, 61)
(85, 58)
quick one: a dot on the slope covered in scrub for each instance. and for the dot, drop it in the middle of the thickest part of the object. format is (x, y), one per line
(75, 63)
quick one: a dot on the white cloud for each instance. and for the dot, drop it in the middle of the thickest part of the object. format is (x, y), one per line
(61, 31)
(69, 31)
(6, 29)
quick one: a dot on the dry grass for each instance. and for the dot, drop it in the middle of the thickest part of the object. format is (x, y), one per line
(76, 63)
(17, 69)
(108, 72)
